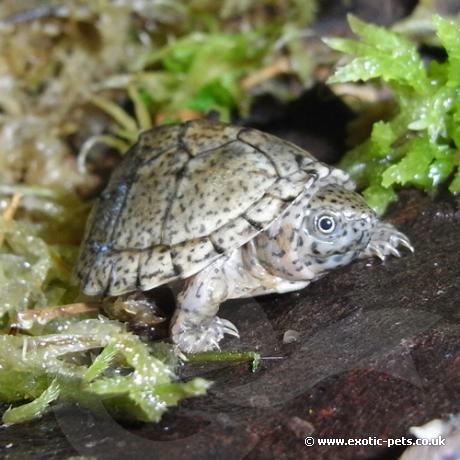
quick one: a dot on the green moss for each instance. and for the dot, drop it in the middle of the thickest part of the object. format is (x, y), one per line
(50, 360)
(126, 374)
(418, 146)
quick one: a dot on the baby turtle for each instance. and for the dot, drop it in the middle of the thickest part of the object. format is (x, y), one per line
(233, 212)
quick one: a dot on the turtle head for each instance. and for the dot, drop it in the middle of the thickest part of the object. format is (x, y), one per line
(337, 225)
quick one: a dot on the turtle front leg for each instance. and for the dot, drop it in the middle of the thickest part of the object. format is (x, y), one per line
(385, 240)
(195, 326)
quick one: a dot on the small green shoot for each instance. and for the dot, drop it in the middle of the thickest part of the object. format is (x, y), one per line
(226, 357)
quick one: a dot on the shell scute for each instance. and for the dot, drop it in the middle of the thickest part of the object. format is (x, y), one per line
(284, 155)
(94, 271)
(199, 136)
(133, 229)
(124, 273)
(215, 188)
(288, 188)
(261, 214)
(154, 142)
(155, 266)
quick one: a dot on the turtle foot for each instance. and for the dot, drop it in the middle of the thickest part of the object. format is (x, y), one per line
(135, 309)
(205, 336)
(385, 241)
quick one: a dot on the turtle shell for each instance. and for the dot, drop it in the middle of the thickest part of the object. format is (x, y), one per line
(184, 195)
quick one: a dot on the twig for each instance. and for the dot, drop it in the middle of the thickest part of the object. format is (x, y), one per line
(280, 66)
(26, 319)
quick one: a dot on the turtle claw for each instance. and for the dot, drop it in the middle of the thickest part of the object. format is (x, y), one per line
(179, 353)
(404, 242)
(392, 250)
(214, 345)
(192, 337)
(374, 250)
(385, 241)
(228, 327)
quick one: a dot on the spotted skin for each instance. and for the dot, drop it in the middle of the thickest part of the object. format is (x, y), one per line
(233, 212)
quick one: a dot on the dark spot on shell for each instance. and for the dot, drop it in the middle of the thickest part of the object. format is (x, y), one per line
(178, 269)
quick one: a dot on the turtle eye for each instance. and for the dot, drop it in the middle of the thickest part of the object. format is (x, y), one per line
(326, 224)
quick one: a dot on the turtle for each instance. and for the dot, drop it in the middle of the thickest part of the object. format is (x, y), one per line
(228, 212)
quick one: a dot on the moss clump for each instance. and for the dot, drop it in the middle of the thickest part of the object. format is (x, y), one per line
(418, 145)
